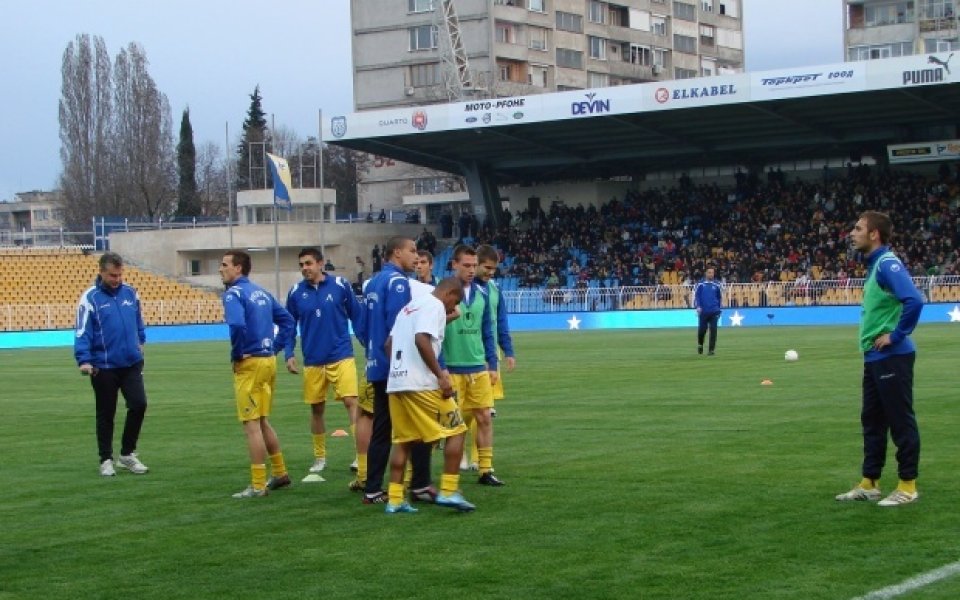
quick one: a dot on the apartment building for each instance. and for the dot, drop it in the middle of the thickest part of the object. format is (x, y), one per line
(888, 28)
(404, 55)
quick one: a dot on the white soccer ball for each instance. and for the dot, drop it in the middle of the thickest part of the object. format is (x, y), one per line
(791, 355)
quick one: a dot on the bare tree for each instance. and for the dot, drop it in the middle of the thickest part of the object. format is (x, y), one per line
(212, 180)
(143, 139)
(85, 114)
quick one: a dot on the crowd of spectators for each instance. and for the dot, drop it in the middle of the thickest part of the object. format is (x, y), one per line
(751, 232)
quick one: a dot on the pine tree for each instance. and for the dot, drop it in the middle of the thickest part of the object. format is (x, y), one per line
(251, 168)
(188, 200)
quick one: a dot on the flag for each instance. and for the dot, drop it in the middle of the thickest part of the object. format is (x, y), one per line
(281, 181)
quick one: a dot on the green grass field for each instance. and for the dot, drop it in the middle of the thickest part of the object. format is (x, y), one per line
(635, 469)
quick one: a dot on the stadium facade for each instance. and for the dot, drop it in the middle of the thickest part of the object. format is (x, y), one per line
(406, 54)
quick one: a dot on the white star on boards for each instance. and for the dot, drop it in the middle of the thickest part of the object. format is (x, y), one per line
(574, 322)
(736, 320)
(955, 314)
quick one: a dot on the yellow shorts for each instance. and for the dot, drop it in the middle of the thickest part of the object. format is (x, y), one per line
(473, 391)
(253, 383)
(424, 416)
(342, 375)
(498, 386)
(365, 398)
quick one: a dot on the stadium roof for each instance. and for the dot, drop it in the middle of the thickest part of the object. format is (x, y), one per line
(750, 119)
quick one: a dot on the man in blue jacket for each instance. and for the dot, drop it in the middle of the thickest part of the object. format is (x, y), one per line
(324, 306)
(251, 312)
(108, 346)
(707, 299)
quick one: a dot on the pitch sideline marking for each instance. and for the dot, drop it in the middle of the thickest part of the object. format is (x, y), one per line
(914, 583)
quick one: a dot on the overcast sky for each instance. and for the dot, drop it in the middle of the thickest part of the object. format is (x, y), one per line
(209, 55)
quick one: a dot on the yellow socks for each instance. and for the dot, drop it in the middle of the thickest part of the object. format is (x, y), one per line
(362, 467)
(277, 466)
(868, 484)
(449, 483)
(395, 492)
(319, 445)
(909, 487)
(473, 455)
(258, 476)
(486, 459)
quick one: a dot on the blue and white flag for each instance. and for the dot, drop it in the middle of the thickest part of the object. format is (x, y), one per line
(281, 181)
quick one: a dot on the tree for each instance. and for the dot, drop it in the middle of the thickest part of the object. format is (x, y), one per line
(251, 168)
(142, 139)
(85, 110)
(188, 201)
(212, 181)
(340, 167)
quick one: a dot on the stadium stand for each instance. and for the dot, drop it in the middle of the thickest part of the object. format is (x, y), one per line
(41, 287)
(793, 234)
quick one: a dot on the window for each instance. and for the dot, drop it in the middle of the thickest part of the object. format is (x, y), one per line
(598, 47)
(419, 6)
(948, 45)
(679, 73)
(880, 51)
(729, 8)
(888, 14)
(423, 37)
(659, 25)
(682, 43)
(638, 55)
(41, 214)
(537, 6)
(572, 59)
(424, 75)
(194, 267)
(569, 22)
(597, 10)
(707, 35)
(936, 9)
(538, 75)
(506, 33)
(504, 72)
(687, 12)
(538, 38)
(706, 6)
(660, 57)
(598, 80)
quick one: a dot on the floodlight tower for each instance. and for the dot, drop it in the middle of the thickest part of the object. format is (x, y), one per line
(457, 80)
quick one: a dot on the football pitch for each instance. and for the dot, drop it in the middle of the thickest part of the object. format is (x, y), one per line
(634, 467)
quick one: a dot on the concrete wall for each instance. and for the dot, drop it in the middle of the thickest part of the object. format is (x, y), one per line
(170, 251)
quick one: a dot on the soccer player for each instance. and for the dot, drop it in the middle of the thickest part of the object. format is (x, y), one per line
(424, 268)
(251, 313)
(108, 346)
(471, 358)
(707, 299)
(420, 394)
(386, 293)
(891, 309)
(323, 305)
(487, 261)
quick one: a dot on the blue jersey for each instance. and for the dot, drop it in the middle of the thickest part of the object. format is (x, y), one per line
(324, 313)
(386, 293)
(707, 297)
(109, 330)
(251, 313)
